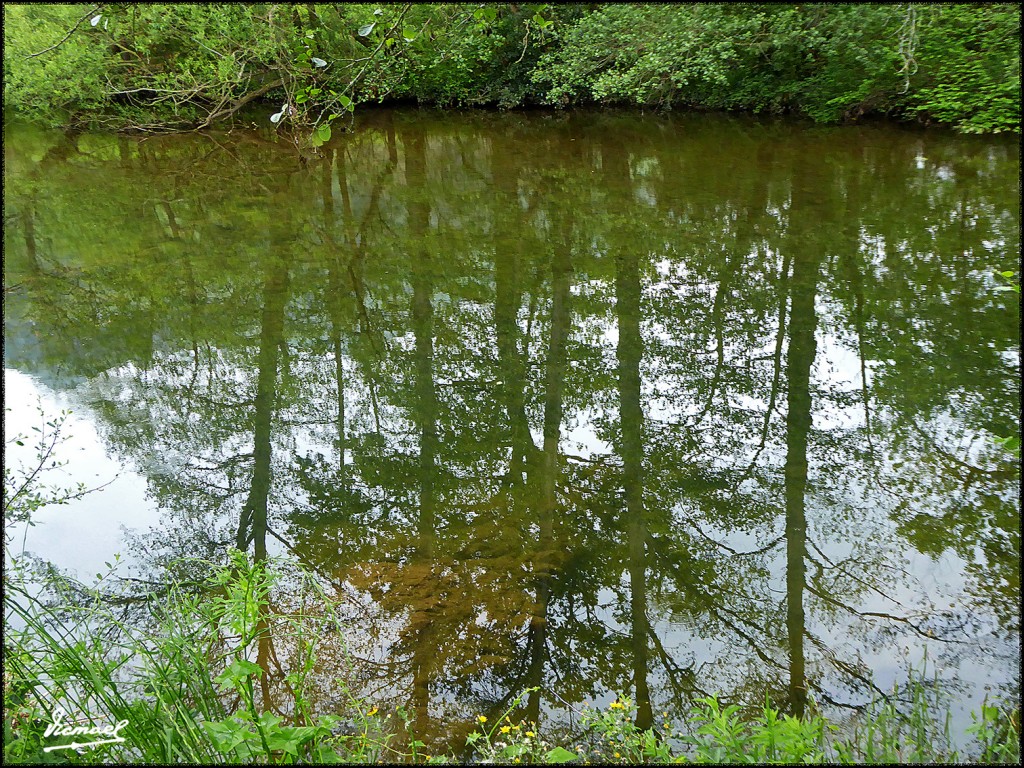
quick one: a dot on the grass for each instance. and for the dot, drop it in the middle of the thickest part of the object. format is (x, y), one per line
(185, 684)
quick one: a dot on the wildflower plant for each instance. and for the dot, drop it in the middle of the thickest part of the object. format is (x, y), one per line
(615, 739)
(506, 741)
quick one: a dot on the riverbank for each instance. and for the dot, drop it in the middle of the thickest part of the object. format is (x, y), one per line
(182, 67)
(186, 681)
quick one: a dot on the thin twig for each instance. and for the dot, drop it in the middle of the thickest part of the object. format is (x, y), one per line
(68, 35)
(373, 55)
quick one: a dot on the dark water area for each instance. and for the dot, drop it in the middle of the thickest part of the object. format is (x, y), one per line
(594, 403)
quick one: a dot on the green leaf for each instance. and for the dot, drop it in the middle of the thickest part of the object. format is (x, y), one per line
(302, 98)
(324, 754)
(228, 734)
(237, 670)
(269, 719)
(323, 132)
(245, 668)
(560, 755)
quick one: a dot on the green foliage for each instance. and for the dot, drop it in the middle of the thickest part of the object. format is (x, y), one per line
(176, 701)
(828, 62)
(890, 733)
(969, 76)
(53, 86)
(172, 681)
(450, 54)
(997, 732)
(645, 54)
(853, 63)
(507, 741)
(175, 65)
(716, 735)
(722, 737)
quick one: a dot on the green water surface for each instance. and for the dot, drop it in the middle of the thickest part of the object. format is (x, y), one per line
(593, 402)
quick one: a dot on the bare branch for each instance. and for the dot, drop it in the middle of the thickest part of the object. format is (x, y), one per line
(241, 103)
(67, 36)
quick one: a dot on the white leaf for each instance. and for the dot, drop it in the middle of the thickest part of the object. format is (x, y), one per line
(275, 118)
(318, 62)
(96, 19)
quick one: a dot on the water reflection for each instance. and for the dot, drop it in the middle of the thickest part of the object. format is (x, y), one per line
(582, 403)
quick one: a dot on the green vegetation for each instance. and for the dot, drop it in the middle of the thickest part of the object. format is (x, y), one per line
(188, 687)
(159, 67)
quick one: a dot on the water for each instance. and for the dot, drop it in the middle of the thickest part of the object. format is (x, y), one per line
(596, 402)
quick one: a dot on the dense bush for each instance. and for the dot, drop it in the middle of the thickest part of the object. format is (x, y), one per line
(148, 66)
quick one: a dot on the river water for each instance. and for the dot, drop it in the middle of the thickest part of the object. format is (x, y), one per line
(592, 402)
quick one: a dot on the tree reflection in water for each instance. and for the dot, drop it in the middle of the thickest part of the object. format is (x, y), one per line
(542, 398)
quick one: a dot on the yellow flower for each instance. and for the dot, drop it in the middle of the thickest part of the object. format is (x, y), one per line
(372, 712)
(530, 734)
(505, 729)
(617, 754)
(482, 718)
(616, 705)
